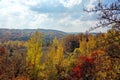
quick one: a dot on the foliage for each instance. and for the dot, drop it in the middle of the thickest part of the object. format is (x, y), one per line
(86, 45)
(34, 46)
(12, 67)
(75, 57)
(96, 58)
(71, 42)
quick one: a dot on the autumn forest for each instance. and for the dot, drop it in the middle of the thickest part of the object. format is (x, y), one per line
(64, 56)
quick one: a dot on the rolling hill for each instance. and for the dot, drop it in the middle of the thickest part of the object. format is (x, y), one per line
(24, 34)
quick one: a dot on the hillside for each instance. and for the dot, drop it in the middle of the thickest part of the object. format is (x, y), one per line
(24, 34)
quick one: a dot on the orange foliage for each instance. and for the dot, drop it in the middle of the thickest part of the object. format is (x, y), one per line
(21, 78)
(97, 53)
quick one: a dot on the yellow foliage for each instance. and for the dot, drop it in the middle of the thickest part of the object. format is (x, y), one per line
(56, 59)
(86, 46)
(34, 46)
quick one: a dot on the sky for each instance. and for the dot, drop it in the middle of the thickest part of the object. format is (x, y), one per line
(64, 15)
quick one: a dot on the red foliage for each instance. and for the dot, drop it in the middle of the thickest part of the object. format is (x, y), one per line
(86, 59)
(85, 67)
(77, 71)
(2, 50)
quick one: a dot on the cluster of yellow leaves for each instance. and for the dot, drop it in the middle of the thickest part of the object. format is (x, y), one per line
(86, 46)
(33, 58)
(56, 60)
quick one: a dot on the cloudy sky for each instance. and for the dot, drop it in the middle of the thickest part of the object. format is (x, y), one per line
(64, 15)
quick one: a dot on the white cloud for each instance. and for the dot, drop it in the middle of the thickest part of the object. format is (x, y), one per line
(70, 3)
(91, 4)
(30, 2)
(67, 24)
(14, 14)
(17, 14)
(37, 20)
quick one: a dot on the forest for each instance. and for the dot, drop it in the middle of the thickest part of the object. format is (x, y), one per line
(82, 56)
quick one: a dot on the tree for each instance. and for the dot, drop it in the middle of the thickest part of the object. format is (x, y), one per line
(12, 67)
(71, 42)
(54, 60)
(109, 14)
(2, 51)
(87, 44)
(83, 70)
(34, 53)
(113, 43)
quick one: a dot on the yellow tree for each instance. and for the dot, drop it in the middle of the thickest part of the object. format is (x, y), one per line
(57, 63)
(86, 45)
(34, 53)
(54, 60)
